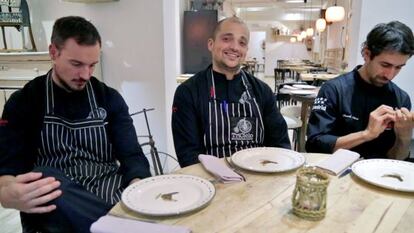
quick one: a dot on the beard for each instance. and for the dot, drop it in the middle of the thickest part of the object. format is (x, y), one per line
(379, 81)
(223, 66)
(61, 82)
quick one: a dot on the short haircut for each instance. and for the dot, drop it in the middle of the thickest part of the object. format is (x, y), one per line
(78, 28)
(233, 19)
(392, 37)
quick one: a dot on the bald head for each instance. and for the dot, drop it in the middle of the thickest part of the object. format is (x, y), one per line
(233, 19)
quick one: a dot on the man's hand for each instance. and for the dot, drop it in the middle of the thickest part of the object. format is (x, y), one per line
(378, 121)
(29, 192)
(404, 123)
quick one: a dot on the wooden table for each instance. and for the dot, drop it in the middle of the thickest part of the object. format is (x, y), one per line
(263, 204)
(183, 77)
(312, 77)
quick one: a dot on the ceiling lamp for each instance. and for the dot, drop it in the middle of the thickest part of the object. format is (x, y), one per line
(293, 39)
(335, 13)
(320, 25)
(309, 32)
(303, 34)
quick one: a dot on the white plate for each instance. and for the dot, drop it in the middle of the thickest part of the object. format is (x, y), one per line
(252, 159)
(303, 92)
(193, 193)
(373, 171)
(290, 87)
(307, 87)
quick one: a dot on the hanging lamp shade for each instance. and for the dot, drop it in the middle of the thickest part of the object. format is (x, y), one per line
(309, 32)
(293, 39)
(335, 13)
(320, 25)
(303, 34)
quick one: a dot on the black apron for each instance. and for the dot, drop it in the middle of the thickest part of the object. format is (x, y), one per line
(232, 126)
(80, 148)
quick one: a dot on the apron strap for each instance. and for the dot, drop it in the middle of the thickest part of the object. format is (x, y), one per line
(92, 100)
(50, 101)
(246, 85)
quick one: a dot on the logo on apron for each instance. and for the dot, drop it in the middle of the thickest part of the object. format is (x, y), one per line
(244, 98)
(100, 112)
(241, 128)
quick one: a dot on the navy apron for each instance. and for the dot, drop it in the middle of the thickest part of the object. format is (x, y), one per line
(232, 126)
(80, 148)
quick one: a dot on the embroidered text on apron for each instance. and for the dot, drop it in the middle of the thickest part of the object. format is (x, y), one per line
(80, 148)
(233, 126)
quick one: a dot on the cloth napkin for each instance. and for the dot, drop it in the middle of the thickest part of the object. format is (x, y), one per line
(112, 224)
(219, 169)
(339, 161)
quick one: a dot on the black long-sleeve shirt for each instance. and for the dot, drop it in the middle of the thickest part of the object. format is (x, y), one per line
(343, 106)
(23, 120)
(190, 113)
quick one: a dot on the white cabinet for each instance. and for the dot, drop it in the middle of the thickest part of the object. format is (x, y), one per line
(16, 69)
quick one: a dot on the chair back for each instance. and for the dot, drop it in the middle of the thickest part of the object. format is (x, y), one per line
(291, 110)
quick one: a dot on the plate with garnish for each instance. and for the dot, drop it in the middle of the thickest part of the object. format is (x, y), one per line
(386, 173)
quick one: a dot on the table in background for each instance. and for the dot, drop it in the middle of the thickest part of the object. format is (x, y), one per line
(183, 77)
(263, 204)
(306, 77)
(320, 76)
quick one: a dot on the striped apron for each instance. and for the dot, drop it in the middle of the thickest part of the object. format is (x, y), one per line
(233, 126)
(80, 148)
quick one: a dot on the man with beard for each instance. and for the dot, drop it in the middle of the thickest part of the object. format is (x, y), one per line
(223, 109)
(364, 110)
(62, 137)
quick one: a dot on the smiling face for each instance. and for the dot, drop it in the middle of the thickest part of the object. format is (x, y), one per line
(73, 64)
(229, 47)
(382, 68)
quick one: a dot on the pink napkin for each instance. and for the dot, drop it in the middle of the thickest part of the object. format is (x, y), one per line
(339, 161)
(112, 224)
(218, 168)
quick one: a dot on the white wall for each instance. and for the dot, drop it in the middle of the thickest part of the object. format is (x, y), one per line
(255, 46)
(135, 58)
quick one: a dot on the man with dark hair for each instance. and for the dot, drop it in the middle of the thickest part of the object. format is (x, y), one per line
(62, 137)
(222, 109)
(364, 110)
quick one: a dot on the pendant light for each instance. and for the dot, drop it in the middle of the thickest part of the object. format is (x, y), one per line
(303, 34)
(335, 13)
(309, 31)
(320, 24)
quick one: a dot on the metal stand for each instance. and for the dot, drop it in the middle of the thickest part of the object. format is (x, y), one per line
(154, 152)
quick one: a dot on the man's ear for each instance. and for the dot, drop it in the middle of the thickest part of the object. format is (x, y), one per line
(210, 44)
(366, 54)
(53, 51)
